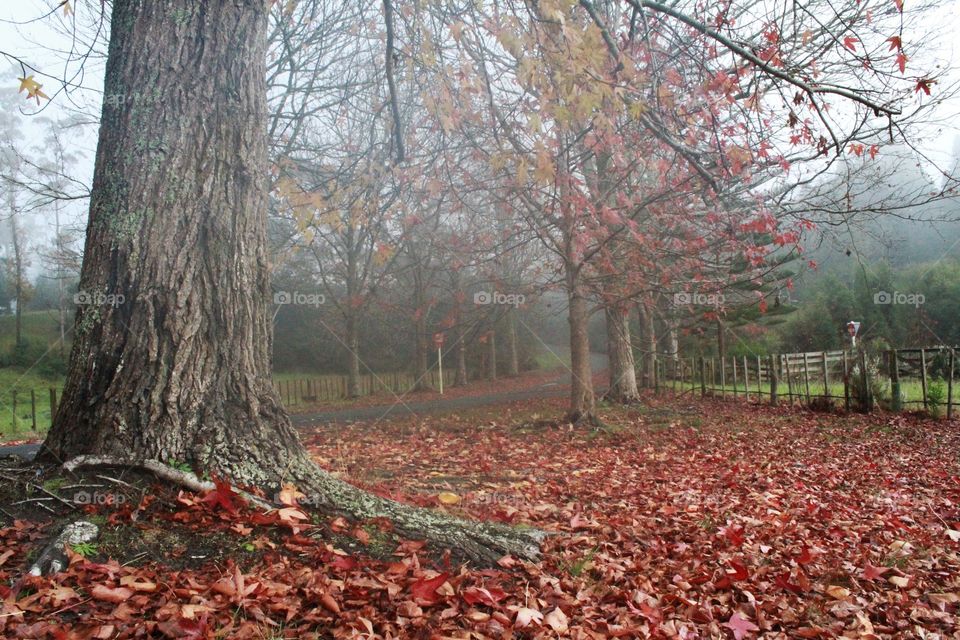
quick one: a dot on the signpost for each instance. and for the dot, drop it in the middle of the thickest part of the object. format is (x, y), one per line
(438, 343)
(853, 328)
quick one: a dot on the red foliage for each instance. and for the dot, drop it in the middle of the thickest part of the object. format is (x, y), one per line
(730, 522)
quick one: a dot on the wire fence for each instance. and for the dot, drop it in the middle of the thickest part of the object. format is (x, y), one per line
(895, 380)
(32, 410)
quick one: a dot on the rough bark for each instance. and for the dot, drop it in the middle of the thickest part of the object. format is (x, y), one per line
(179, 367)
(621, 366)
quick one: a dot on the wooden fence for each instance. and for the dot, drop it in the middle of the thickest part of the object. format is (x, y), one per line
(899, 379)
(31, 409)
(311, 390)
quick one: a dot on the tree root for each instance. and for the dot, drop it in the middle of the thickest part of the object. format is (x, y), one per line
(53, 558)
(482, 542)
(186, 479)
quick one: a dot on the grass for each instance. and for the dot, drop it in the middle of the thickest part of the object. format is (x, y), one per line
(911, 389)
(37, 326)
(19, 425)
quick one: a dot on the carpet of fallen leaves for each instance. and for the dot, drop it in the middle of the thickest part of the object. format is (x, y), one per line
(706, 520)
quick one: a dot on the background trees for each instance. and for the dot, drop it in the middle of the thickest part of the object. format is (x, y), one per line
(657, 155)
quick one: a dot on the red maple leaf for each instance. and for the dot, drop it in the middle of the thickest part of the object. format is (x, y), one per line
(488, 596)
(871, 572)
(850, 42)
(783, 581)
(222, 495)
(924, 85)
(734, 535)
(740, 626)
(902, 62)
(424, 591)
(739, 571)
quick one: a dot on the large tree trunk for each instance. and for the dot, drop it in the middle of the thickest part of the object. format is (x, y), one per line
(178, 368)
(621, 366)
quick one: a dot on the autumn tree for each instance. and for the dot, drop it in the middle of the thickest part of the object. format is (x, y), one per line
(727, 102)
(171, 360)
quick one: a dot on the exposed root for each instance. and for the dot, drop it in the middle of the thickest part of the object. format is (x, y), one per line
(482, 542)
(53, 558)
(186, 479)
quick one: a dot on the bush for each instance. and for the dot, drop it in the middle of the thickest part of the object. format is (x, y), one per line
(936, 397)
(34, 355)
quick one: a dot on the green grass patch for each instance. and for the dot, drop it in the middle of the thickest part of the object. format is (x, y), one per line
(31, 391)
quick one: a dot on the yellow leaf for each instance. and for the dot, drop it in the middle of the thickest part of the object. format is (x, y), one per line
(137, 584)
(522, 173)
(289, 495)
(32, 87)
(837, 592)
(535, 122)
(67, 9)
(448, 498)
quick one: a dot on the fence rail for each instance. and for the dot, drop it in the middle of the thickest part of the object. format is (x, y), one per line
(897, 379)
(32, 409)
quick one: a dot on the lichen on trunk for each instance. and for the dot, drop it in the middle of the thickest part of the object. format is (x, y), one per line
(171, 356)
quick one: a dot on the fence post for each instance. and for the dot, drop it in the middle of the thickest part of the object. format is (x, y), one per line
(826, 378)
(895, 403)
(950, 387)
(865, 381)
(703, 377)
(786, 362)
(846, 383)
(773, 380)
(923, 376)
(723, 377)
(759, 380)
(806, 375)
(33, 409)
(746, 379)
(733, 361)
